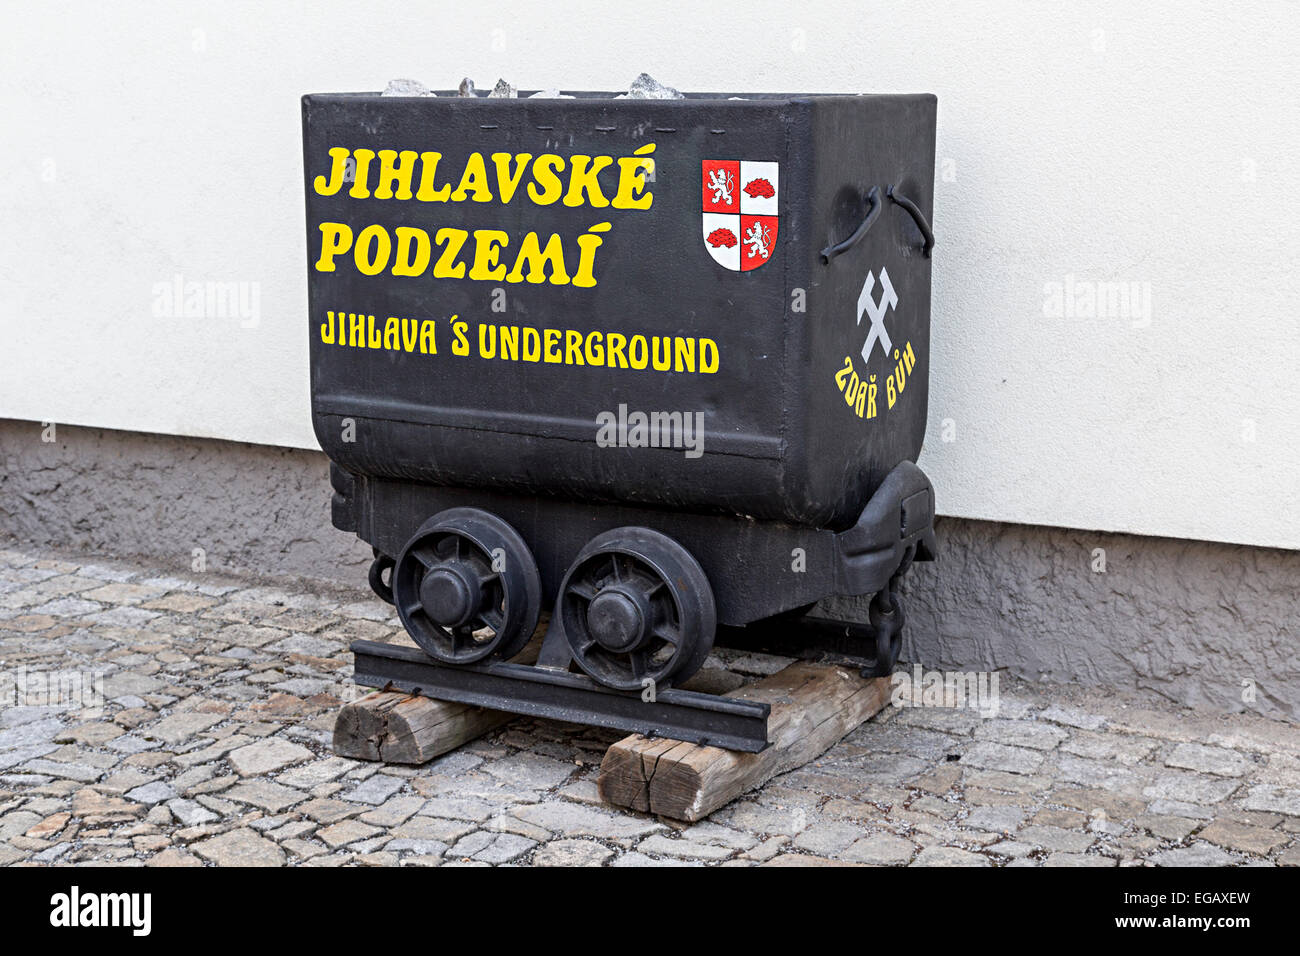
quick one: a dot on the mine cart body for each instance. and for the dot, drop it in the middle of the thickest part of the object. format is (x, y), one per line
(503, 291)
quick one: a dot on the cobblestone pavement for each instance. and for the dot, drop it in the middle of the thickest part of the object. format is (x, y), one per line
(212, 746)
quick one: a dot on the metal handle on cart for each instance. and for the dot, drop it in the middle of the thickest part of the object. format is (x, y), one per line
(873, 210)
(917, 216)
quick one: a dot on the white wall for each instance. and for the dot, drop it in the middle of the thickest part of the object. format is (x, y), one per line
(1113, 142)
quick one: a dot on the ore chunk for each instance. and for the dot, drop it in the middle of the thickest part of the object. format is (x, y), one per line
(407, 88)
(646, 87)
(467, 87)
(503, 90)
(551, 94)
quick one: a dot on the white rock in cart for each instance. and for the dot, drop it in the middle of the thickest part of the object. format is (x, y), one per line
(503, 90)
(550, 95)
(407, 88)
(467, 87)
(646, 87)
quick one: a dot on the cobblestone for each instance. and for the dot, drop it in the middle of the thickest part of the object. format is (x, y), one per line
(240, 848)
(211, 747)
(572, 853)
(949, 856)
(880, 849)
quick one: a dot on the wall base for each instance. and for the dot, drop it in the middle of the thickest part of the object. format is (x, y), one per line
(1204, 624)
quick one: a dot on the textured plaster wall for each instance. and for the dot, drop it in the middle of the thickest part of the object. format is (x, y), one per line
(1205, 624)
(251, 508)
(1190, 620)
(1143, 148)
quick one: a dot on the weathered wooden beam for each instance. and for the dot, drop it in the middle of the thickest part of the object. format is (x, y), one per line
(397, 727)
(813, 707)
(402, 728)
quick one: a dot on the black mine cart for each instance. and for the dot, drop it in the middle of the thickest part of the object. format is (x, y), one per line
(658, 367)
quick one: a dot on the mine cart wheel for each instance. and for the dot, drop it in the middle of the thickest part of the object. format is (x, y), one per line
(637, 609)
(467, 588)
(378, 566)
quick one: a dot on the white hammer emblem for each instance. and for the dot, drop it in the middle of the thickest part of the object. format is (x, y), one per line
(877, 310)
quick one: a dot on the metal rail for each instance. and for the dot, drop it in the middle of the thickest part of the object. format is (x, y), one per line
(543, 692)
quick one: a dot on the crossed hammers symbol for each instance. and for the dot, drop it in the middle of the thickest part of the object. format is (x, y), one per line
(877, 311)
